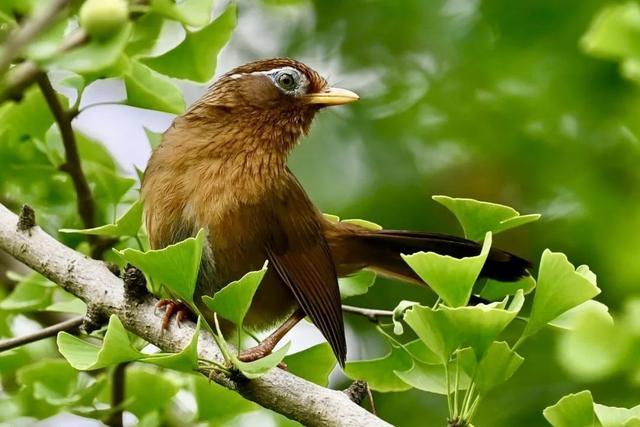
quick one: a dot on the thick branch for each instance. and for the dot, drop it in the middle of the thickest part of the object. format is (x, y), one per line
(91, 281)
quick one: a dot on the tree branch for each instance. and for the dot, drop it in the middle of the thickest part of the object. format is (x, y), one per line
(370, 313)
(85, 202)
(72, 165)
(24, 34)
(23, 75)
(91, 281)
(67, 325)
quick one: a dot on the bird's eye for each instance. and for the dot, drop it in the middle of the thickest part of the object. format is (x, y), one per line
(286, 81)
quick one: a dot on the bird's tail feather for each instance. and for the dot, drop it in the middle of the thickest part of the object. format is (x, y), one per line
(380, 250)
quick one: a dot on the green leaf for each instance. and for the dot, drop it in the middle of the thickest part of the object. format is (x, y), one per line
(151, 90)
(560, 288)
(432, 378)
(154, 138)
(610, 416)
(58, 384)
(146, 31)
(258, 368)
(66, 303)
(233, 301)
(357, 283)
(479, 325)
(477, 218)
(196, 57)
(90, 151)
(363, 223)
(451, 278)
(398, 315)
(175, 267)
(28, 118)
(72, 80)
(446, 329)
(495, 291)
(330, 217)
(148, 390)
(379, 373)
(127, 225)
(596, 348)
(48, 43)
(109, 186)
(32, 293)
(313, 364)
(94, 57)
(615, 32)
(573, 410)
(216, 404)
(496, 366)
(191, 12)
(186, 360)
(569, 319)
(84, 356)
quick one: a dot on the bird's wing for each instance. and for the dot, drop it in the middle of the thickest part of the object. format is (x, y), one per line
(301, 257)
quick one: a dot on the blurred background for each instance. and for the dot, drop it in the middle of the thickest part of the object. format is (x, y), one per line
(494, 100)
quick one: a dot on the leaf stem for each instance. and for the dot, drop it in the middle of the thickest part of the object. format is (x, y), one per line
(448, 381)
(457, 388)
(395, 341)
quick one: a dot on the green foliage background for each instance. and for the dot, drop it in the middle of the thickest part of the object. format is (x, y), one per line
(493, 100)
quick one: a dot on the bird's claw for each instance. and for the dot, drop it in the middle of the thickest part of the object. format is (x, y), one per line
(258, 352)
(171, 307)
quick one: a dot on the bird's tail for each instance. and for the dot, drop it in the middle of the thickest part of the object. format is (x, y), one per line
(380, 250)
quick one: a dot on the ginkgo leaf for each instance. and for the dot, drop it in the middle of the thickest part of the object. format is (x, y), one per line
(127, 225)
(195, 58)
(233, 301)
(451, 278)
(175, 266)
(560, 288)
(572, 410)
(477, 218)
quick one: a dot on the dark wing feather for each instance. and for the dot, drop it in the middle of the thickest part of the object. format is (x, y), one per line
(300, 255)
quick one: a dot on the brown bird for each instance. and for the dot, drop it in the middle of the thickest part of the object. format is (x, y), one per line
(222, 166)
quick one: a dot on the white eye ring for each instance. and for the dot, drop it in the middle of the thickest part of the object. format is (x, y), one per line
(297, 88)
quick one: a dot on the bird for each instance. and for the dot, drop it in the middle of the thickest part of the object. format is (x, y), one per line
(222, 167)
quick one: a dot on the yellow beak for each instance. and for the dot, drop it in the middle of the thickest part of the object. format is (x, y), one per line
(332, 96)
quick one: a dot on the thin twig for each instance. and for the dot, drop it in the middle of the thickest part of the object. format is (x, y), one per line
(370, 313)
(23, 75)
(31, 29)
(72, 165)
(84, 198)
(118, 391)
(50, 331)
(371, 402)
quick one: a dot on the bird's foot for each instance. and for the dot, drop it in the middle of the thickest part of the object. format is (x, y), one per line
(171, 307)
(258, 352)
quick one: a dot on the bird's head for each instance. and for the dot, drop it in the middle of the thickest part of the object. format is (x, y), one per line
(274, 98)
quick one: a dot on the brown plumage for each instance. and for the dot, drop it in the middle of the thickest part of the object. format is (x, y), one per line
(222, 167)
